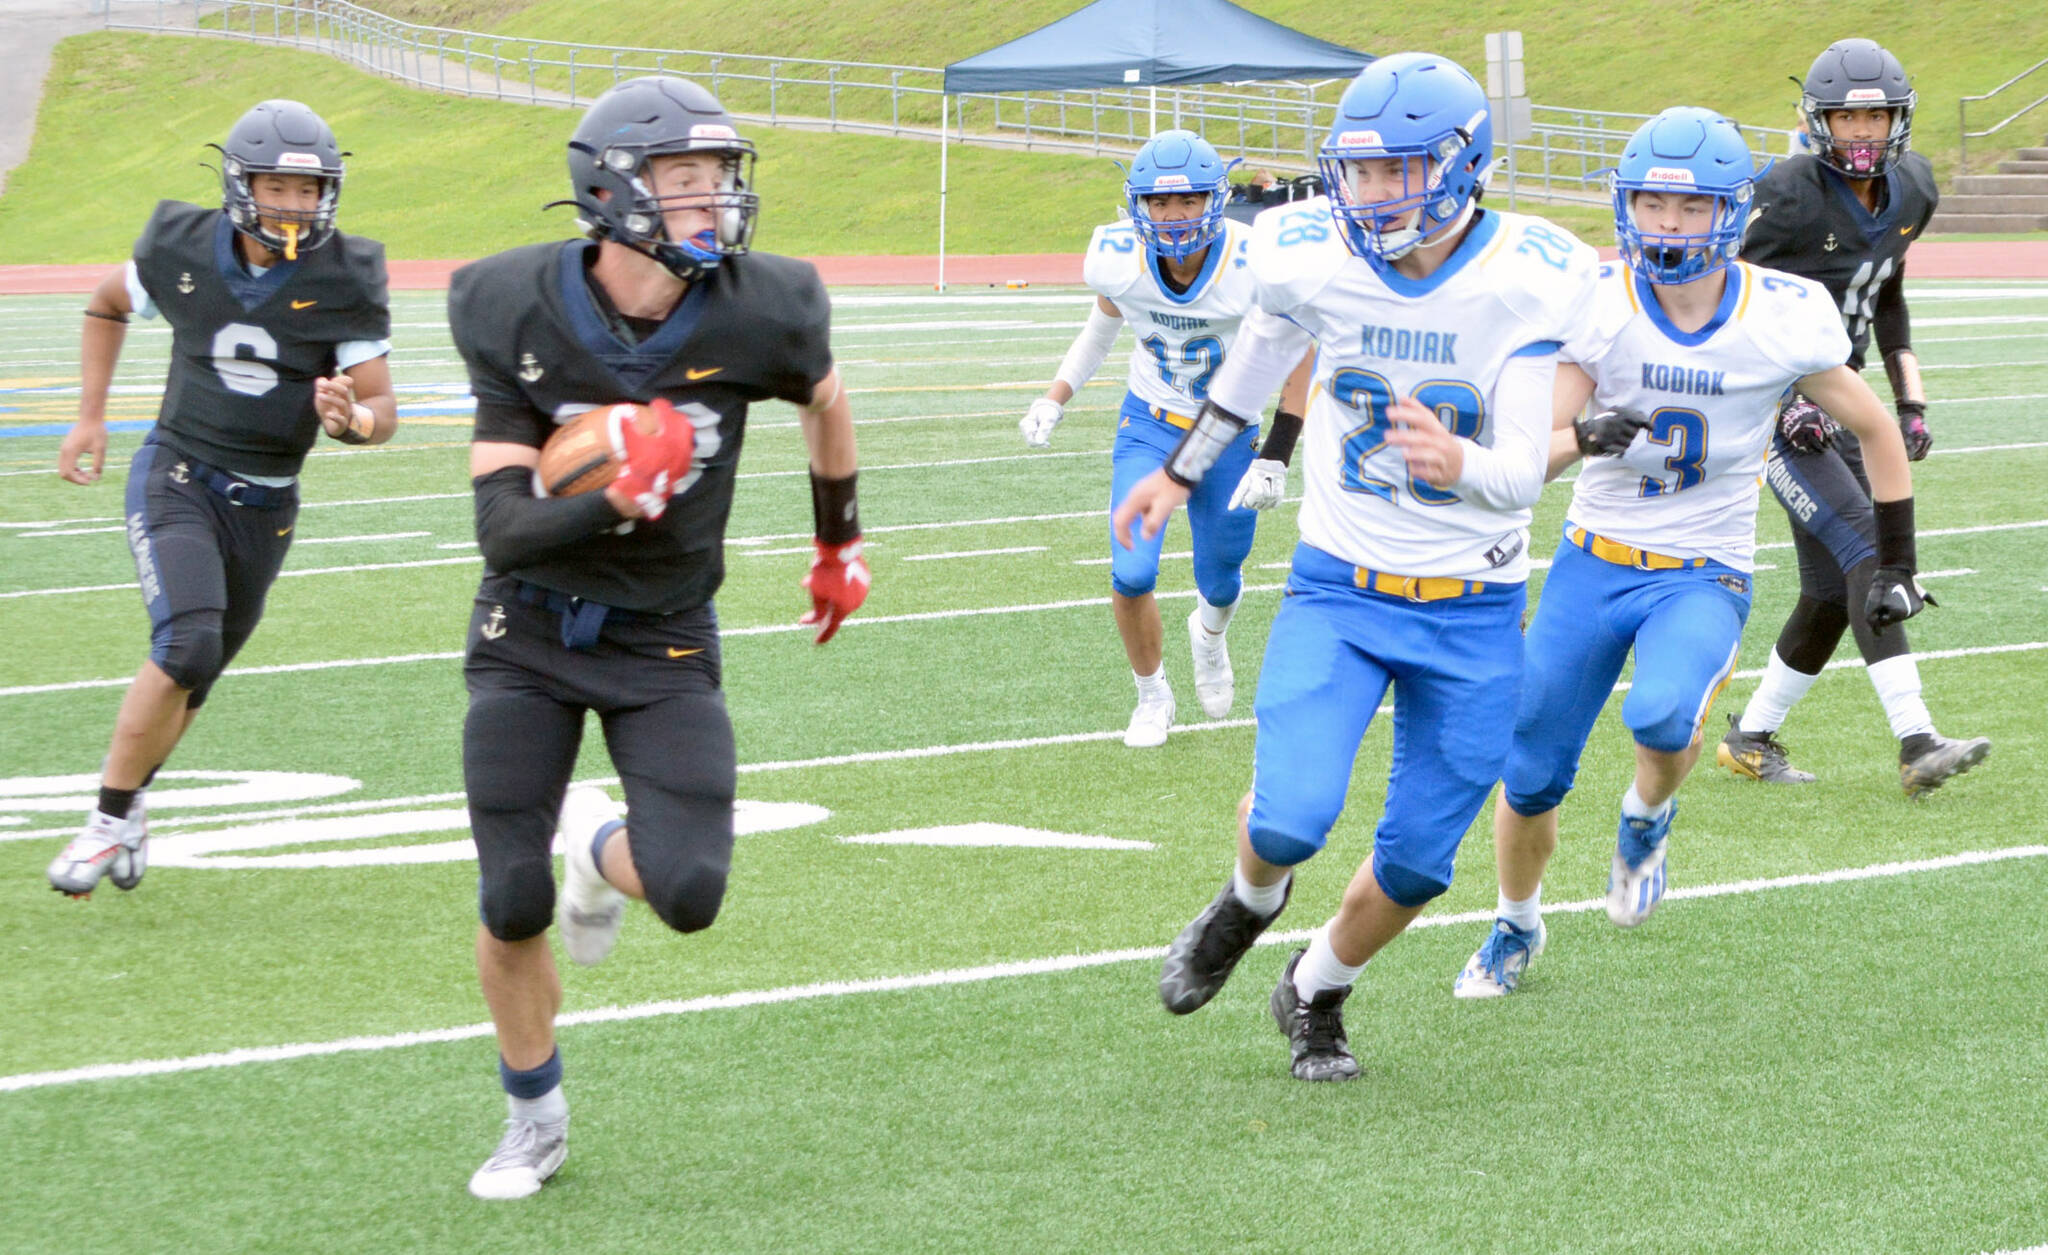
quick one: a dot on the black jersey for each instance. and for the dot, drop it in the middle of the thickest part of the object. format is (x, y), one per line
(1807, 221)
(541, 350)
(245, 349)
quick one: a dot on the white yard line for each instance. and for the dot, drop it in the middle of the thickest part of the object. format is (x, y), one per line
(970, 553)
(935, 979)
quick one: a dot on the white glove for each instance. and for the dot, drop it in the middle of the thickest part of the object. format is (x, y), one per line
(1264, 483)
(1038, 422)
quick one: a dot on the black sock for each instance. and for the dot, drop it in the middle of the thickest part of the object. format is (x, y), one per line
(115, 802)
(1912, 747)
(151, 776)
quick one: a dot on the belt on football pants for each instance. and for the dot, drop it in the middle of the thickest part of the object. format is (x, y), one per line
(1169, 417)
(1415, 587)
(238, 491)
(1626, 555)
(582, 621)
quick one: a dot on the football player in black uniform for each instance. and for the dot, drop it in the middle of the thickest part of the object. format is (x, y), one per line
(602, 602)
(279, 329)
(1844, 216)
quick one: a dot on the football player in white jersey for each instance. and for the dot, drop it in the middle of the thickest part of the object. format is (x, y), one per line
(1686, 357)
(1437, 326)
(1175, 271)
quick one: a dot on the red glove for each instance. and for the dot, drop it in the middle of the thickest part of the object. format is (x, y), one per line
(838, 583)
(651, 463)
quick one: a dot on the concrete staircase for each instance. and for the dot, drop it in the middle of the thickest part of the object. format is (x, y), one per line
(2014, 199)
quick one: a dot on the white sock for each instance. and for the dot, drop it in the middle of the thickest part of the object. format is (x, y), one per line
(1320, 968)
(1265, 899)
(1215, 619)
(550, 1108)
(1775, 697)
(1634, 807)
(1897, 681)
(1526, 914)
(1153, 685)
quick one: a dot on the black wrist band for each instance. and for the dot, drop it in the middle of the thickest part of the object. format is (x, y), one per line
(1895, 534)
(1285, 429)
(834, 509)
(93, 313)
(1911, 409)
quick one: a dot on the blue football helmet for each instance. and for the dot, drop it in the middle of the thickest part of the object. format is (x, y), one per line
(1178, 162)
(1429, 113)
(655, 116)
(1684, 151)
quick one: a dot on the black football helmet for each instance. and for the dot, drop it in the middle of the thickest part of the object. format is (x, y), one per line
(650, 117)
(281, 137)
(1857, 74)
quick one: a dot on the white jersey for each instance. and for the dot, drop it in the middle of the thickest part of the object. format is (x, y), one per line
(1688, 486)
(1516, 286)
(1182, 337)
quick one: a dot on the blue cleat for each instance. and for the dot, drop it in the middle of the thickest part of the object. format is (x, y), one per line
(1635, 882)
(1496, 967)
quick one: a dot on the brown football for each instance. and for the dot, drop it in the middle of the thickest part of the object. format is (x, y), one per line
(578, 457)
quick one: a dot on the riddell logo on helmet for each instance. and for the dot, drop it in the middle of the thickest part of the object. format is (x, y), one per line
(300, 161)
(712, 130)
(1170, 180)
(1865, 93)
(1359, 139)
(1668, 174)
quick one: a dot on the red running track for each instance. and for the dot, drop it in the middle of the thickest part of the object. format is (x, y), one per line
(1930, 259)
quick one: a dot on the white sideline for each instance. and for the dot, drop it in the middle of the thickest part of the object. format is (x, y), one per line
(928, 980)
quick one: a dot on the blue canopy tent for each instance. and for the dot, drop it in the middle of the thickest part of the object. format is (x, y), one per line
(1131, 43)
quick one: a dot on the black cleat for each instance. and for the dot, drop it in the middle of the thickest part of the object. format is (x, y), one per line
(1940, 759)
(1202, 957)
(1758, 755)
(1315, 1029)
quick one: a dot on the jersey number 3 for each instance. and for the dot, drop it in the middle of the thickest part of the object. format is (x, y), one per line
(242, 374)
(1684, 432)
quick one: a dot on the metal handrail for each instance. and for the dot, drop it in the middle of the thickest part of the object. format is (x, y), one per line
(1963, 115)
(1279, 125)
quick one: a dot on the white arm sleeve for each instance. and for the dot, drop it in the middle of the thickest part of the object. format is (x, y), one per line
(138, 296)
(1265, 352)
(1509, 476)
(1089, 348)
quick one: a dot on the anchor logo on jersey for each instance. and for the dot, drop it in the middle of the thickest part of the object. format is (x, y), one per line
(181, 473)
(1830, 244)
(529, 369)
(185, 284)
(494, 627)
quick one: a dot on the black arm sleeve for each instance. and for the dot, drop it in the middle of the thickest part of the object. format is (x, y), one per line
(1895, 533)
(1894, 326)
(514, 528)
(1281, 433)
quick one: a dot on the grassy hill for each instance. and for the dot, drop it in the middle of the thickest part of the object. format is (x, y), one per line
(124, 119)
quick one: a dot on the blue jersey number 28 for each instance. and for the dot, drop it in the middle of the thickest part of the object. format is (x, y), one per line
(1458, 407)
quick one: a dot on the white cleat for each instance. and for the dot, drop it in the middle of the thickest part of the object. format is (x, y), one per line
(88, 856)
(527, 1156)
(1215, 683)
(132, 859)
(591, 909)
(1496, 967)
(1150, 721)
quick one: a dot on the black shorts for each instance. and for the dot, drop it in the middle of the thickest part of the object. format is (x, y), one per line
(205, 563)
(1834, 525)
(653, 681)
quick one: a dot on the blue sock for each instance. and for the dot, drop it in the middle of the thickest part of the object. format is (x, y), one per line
(604, 834)
(535, 1094)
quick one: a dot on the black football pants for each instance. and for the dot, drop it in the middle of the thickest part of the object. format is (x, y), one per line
(1834, 532)
(654, 685)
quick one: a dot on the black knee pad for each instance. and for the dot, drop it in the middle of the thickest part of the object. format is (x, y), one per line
(686, 893)
(190, 649)
(516, 899)
(1811, 633)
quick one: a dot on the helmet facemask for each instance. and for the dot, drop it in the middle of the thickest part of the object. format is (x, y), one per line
(1680, 257)
(1375, 228)
(636, 214)
(281, 230)
(1177, 239)
(1859, 159)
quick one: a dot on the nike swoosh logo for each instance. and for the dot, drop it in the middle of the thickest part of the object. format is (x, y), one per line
(286, 531)
(694, 375)
(1905, 230)
(304, 304)
(673, 652)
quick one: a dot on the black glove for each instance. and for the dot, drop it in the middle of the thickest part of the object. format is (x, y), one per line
(1608, 433)
(1894, 597)
(1806, 427)
(1913, 426)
